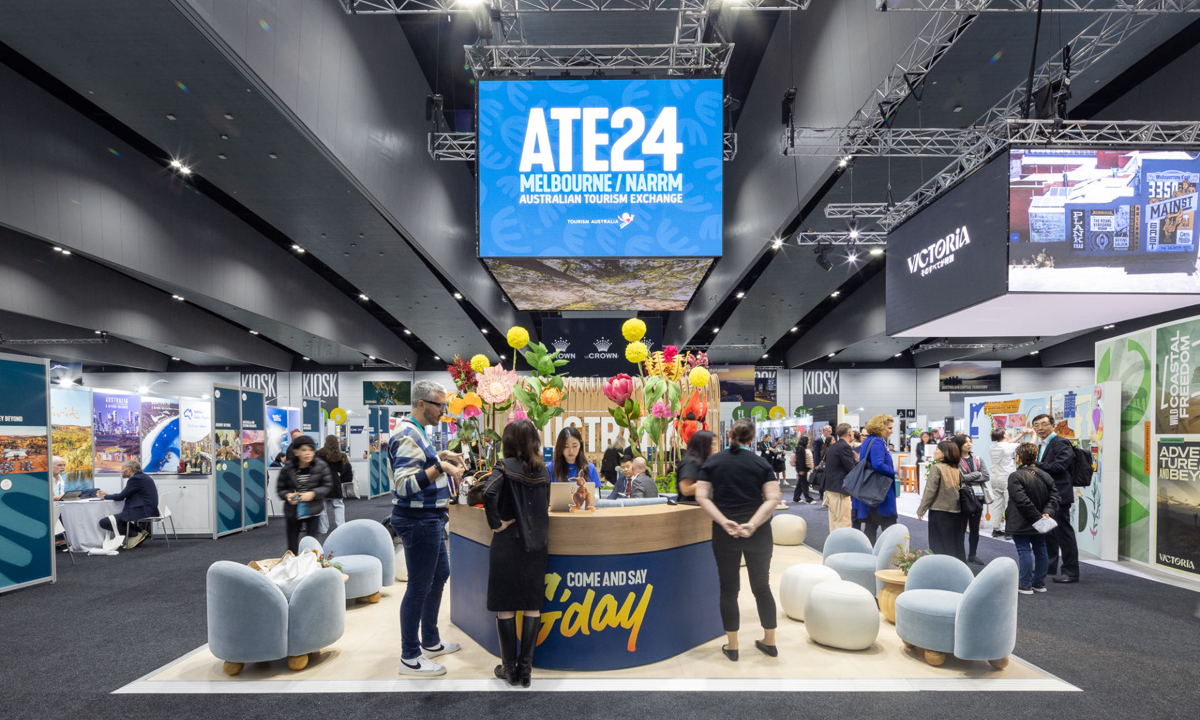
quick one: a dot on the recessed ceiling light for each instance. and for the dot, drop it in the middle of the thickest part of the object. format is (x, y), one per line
(1109, 327)
(876, 251)
(253, 332)
(778, 243)
(898, 354)
(716, 330)
(224, 136)
(170, 116)
(177, 297)
(176, 164)
(66, 252)
(484, 330)
(363, 297)
(57, 249)
(370, 357)
(1035, 352)
(305, 359)
(228, 116)
(740, 294)
(832, 354)
(408, 332)
(435, 357)
(502, 356)
(958, 108)
(764, 357)
(221, 156)
(272, 155)
(835, 293)
(97, 332)
(794, 329)
(458, 296)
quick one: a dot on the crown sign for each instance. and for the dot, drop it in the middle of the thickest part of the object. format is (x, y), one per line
(561, 345)
(603, 344)
(648, 343)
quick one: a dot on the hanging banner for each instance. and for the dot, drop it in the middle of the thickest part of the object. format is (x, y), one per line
(26, 542)
(310, 416)
(227, 424)
(376, 420)
(1178, 505)
(822, 393)
(1176, 403)
(71, 435)
(737, 382)
(387, 392)
(254, 458)
(594, 347)
(195, 435)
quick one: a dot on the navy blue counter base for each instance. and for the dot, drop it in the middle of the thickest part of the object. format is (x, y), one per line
(607, 612)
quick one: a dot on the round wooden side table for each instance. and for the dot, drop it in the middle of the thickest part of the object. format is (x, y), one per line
(893, 584)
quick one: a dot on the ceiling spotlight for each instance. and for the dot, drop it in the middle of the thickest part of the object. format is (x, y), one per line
(57, 249)
(435, 357)
(835, 293)
(304, 358)
(370, 357)
(831, 354)
(483, 330)
(852, 258)
(876, 251)
(716, 330)
(175, 359)
(1109, 327)
(1035, 352)
(363, 297)
(98, 332)
(220, 156)
(177, 297)
(224, 136)
(777, 244)
(852, 227)
(408, 332)
(66, 252)
(228, 116)
(253, 332)
(764, 357)
(170, 116)
(740, 295)
(898, 354)
(176, 164)
(272, 155)
(822, 253)
(502, 356)
(794, 329)
(458, 296)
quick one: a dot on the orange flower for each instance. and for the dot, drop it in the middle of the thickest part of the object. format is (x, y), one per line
(473, 398)
(551, 397)
(456, 406)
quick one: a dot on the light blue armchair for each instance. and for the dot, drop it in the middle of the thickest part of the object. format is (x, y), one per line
(250, 620)
(849, 552)
(366, 553)
(945, 610)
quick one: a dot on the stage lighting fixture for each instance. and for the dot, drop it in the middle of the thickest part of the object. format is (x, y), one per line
(876, 251)
(852, 227)
(789, 100)
(822, 253)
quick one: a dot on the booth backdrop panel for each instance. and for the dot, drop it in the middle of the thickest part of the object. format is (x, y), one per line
(378, 425)
(227, 422)
(116, 422)
(310, 416)
(1090, 414)
(278, 436)
(1127, 360)
(195, 435)
(1177, 448)
(26, 543)
(159, 435)
(602, 612)
(71, 434)
(254, 460)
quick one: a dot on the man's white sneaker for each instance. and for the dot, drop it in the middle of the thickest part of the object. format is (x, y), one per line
(444, 649)
(420, 665)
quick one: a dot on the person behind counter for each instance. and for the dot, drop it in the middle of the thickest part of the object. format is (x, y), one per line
(642, 485)
(569, 459)
(739, 492)
(305, 478)
(699, 448)
(610, 467)
(516, 498)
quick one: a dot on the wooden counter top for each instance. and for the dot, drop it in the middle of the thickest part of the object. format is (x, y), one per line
(608, 531)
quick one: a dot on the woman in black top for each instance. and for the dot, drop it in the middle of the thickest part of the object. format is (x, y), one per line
(699, 448)
(803, 458)
(739, 491)
(516, 498)
(610, 468)
(339, 465)
(305, 478)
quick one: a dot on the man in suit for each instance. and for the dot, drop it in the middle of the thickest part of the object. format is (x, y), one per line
(141, 501)
(642, 485)
(839, 461)
(820, 442)
(1055, 456)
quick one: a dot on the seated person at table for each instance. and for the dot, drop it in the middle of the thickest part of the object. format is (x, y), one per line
(58, 480)
(569, 459)
(141, 501)
(625, 476)
(642, 485)
(699, 448)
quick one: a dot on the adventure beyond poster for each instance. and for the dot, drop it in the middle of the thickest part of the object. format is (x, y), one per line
(1177, 543)
(1177, 397)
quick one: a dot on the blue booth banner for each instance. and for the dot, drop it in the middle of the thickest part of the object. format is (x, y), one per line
(227, 445)
(254, 459)
(381, 475)
(310, 417)
(26, 542)
(601, 612)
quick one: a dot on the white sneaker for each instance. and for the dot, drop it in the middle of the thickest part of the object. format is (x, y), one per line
(420, 665)
(444, 649)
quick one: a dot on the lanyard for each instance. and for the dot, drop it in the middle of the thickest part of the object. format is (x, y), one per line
(418, 427)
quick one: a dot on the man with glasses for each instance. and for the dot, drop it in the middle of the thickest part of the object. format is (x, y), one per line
(422, 486)
(1055, 456)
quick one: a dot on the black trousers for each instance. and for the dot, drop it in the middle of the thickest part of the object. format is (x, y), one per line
(802, 488)
(123, 527)
(296, 527)
(946, 533)
(1061, 540)
(728, 552)
(875, 522)
(973, 532)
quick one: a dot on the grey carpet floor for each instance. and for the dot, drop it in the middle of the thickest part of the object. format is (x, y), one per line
(1130, 644)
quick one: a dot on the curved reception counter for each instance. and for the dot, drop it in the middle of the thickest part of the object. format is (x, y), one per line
(624, 586)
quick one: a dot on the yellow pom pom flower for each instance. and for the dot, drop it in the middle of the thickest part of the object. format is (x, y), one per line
(635, 352)
(518, 337)
(479, 363)
(699, 377)
(633, 330)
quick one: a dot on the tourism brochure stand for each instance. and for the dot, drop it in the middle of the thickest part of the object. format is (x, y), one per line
(27, 549)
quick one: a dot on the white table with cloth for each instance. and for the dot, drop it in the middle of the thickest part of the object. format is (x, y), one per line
(81, 519)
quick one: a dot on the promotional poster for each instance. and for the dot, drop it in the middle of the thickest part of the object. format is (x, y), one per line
(116, 422)
(600, 168)
(1177, 539)
(159, 434)
(387, 392)
(1177, 398)
(254, 458)
(1119, 220)
(594, 347)
(26, 552)
(737, 382)
(963, 376)
(765, 385)
(278, 433)
(195, 435)
(71, 434)
(227, 424)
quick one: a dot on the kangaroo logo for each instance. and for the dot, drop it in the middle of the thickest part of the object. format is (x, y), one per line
(603, 344)
(625, 219)
(561, 345)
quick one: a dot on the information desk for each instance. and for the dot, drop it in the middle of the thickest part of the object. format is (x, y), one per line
(624, 586)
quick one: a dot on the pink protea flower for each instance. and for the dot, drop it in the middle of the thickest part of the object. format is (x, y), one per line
(495, 384)
(661, 410)
(519, 414)
(618, 388)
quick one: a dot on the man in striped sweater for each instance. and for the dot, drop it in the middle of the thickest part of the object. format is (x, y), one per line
(423, 485)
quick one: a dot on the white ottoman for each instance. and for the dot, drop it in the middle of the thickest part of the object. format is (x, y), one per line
(798, 582)
(788, 529)
(842, 614)
(401, 564)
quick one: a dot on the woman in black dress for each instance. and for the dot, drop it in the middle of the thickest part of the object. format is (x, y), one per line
(702, 444)
(516, 498)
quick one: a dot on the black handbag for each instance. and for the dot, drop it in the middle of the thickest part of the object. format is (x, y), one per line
(968, 503)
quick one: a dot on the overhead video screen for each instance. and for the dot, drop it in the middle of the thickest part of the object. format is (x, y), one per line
(600, 283)
(1111, 221)
(600, 168)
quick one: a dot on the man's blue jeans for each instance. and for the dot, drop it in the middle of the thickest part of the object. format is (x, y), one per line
(1032, 559)
(428, 569)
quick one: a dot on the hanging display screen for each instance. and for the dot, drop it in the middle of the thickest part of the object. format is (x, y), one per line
(600, 168)
(1112, 221)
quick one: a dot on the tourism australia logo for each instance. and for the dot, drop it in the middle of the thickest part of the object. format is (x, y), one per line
(602, 345)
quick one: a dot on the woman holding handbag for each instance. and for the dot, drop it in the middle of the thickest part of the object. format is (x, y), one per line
(516, 499)
(975, 476)
(304, 483)
(874, 452)
(941, 500)
(339, 465)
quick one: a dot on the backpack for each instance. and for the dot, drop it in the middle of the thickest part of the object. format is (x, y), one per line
(1082, 469)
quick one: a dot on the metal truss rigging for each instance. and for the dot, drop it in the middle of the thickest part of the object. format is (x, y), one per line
(841, 238)
(846, 211)
(462, 147)
(419, 7)
(1061, 6)
(883, 142)
(512, 60)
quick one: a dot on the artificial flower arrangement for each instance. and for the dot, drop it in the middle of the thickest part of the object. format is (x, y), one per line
(326, 561)
(904, 558)
(487, 395)
(542, 394)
